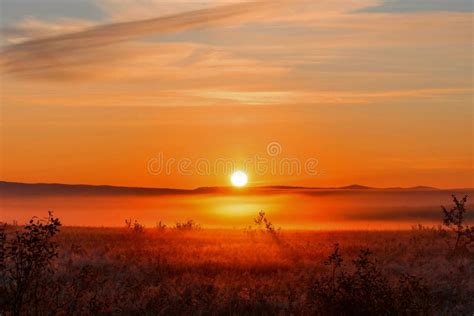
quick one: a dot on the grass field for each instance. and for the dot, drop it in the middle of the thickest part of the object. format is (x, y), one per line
(197, 271)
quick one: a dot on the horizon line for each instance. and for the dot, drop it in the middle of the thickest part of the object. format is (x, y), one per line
(354, 186)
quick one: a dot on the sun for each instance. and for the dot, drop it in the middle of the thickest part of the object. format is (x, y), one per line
(239, 179)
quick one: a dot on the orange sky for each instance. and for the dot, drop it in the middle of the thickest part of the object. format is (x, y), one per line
(377, 95)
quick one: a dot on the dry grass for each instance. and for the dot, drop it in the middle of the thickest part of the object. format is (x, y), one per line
(110, 271)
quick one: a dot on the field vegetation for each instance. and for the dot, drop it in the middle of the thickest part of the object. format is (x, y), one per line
(185, 269)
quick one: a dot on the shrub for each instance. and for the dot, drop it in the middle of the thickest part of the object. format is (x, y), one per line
(188, 225)
(134, 226)
(27, 260)
(3, 242)
(262, 220)
(3, 275)
(454, 219)
(366, 290)
(160, 226)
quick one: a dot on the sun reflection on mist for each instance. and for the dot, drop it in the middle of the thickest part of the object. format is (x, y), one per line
(235, 206)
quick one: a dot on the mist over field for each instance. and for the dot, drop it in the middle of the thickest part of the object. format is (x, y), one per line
(355, 207)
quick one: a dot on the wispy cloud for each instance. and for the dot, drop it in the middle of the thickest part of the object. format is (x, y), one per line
(39, 54)
(325, 97)
(129, 10)
(32, 28)
(405, 6)
(302, 52)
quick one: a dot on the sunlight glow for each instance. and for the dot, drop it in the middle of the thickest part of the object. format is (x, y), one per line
(239, 179)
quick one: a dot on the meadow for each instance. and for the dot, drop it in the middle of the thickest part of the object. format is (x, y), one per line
(261, 270)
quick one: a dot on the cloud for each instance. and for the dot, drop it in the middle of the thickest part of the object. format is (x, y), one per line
(281, 58)
(44, 53)
(404, 6)
(249, 97)
(290, 11)
(127, 10)
(31, 28)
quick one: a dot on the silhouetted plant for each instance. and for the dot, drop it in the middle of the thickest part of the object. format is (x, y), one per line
(366, 290)
(160, 226)
(134, 226)
(262, 220)
(3, 243)
(335, 261)
(188, 225)
(413, 296)
(3, 275)
(28, 258)
(454, 219)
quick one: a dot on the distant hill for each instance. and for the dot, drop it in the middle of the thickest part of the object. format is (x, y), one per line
(421, 188)
(355, 187)
(44, 189)
(16, 188)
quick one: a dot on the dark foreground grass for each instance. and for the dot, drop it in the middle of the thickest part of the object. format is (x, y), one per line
(233, 272)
